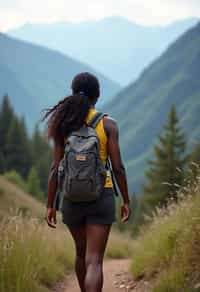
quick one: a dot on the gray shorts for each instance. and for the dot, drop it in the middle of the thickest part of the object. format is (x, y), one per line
(100, 211)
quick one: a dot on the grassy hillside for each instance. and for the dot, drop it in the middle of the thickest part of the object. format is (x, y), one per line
(141, 108)
(14, 200)
(34, 256)
(36, 77)
(27, 245)
(114, 45)
(167, 252)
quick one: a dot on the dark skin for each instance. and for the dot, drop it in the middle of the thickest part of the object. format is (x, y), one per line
(113, 149)
(90, 239)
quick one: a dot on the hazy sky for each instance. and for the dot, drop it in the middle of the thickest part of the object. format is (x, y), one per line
(16, 12)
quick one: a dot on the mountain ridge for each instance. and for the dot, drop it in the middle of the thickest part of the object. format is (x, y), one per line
(39, 76)
(115, 46)
(141, 108)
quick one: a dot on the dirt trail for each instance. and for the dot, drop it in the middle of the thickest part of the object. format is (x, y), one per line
(116, 279)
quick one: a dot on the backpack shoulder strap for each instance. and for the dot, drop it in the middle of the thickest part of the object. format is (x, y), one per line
(109, 167)
(96, 119)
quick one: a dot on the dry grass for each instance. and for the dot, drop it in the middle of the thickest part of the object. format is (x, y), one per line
(12, 197)
(34, 256)
(119, 245)
(168, 248)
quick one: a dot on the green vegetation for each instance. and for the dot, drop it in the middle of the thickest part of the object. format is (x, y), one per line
(34, 256)
(167, 249)
(24, 160)
(194, 162)
(130, 225)
(166, 171)
(142, 107)
(28, 258)
(33, 184)
(14, 177)
(27, 245)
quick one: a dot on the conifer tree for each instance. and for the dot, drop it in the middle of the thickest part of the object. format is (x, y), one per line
(6, 116)
(41, 156)
(166, 172)
(17, 152)
(33, 184)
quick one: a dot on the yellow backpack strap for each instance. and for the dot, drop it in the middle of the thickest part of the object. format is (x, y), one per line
(96, 119)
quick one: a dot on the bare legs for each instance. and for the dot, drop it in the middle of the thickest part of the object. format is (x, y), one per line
(79, 236)
(90, 241)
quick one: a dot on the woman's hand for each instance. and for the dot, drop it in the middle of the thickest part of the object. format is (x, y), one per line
(125, 212)
(51, 217)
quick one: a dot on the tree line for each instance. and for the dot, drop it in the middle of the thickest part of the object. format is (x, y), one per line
(24, 158)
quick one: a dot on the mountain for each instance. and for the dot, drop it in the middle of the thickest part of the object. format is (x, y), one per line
(115, 46)
(141, 108)
(35, 77)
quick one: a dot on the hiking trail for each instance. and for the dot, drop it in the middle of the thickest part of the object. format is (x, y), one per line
(116, 279)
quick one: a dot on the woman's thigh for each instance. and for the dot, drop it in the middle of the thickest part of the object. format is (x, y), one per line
(79, 236)
(96, 240)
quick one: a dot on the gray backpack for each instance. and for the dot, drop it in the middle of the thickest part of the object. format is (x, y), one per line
(81, 172)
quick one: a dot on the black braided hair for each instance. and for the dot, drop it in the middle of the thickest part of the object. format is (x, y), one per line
(69, 113)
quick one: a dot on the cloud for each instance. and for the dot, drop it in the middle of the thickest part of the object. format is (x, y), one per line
(14, 12)
(8, 3)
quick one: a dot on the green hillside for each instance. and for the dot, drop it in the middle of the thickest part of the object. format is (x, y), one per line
(141, 108)
(14, 200)
(36, 77)
(167, 252)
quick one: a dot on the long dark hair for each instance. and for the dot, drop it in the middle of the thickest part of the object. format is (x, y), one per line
(69, 113)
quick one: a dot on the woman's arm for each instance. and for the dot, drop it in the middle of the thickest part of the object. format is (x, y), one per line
(112, 132)
(52, 182)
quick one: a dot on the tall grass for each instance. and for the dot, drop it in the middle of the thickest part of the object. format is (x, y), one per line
(119, 245)
(168, 248)
(32, 256)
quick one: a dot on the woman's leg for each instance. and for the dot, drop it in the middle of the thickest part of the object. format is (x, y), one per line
(97, 236)
(79, 236)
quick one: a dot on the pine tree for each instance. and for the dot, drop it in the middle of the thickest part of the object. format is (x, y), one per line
(17, 151)
(41, 156)
(6, 116)
(33, 184)
(166, 172)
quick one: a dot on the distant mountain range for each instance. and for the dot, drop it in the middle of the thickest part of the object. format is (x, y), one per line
(141, 108)
(118, 48)
(35, 77)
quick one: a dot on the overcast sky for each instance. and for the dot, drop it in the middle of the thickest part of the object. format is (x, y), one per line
(149, 12)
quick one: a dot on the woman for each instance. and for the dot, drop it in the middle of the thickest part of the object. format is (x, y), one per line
(88, 222)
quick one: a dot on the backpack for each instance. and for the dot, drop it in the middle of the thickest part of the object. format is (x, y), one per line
(81, 172)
